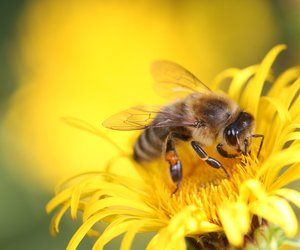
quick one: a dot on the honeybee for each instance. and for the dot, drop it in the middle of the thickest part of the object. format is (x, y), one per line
(202, 117)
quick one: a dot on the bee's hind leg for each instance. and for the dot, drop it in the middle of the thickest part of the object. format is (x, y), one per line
(210, 161)
(175, 164)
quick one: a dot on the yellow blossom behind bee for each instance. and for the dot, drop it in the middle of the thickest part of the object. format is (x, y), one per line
(90, 59)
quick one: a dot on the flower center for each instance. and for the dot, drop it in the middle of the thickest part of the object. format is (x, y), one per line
(202, 185)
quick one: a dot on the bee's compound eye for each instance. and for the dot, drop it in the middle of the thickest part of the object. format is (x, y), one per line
(230, 136)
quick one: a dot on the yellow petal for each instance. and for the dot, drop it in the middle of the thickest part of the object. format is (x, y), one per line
(283, 80)
(293, 136)
(251, 188)
(281, 109)
(276, 115)
(256, 85)
(58, 200)
(292, 93)
(120, 202)
(279, 160)
(228, 73)
(84, 229)
(278, 211)
(189, 221)
(75, 198)
(289, 194)
(114, 229)
(239, 81)
(290, 175)
(129, 236)
(235, 220)
(54, 225)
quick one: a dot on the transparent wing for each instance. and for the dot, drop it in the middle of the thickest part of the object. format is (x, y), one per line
(172, 79)
(142, 117)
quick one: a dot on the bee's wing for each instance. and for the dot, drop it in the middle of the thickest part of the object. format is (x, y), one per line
(172, 79)
(142, 117)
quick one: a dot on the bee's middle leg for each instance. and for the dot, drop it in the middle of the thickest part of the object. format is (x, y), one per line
(203, 155)
(175, 164)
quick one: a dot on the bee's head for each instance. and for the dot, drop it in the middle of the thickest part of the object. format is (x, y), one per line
(238, 134)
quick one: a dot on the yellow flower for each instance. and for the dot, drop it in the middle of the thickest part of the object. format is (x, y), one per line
(207, 205)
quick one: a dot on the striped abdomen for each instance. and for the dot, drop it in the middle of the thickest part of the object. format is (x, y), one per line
(150, 144)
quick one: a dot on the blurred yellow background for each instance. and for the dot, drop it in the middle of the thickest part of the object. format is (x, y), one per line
(90, 59)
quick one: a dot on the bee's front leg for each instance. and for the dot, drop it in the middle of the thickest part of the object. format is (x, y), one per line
(175, 164)
(203, 155)
(224, 153)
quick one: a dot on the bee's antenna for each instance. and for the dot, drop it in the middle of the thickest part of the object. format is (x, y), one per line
(246, 146)
(237, 138)
(261, 142)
